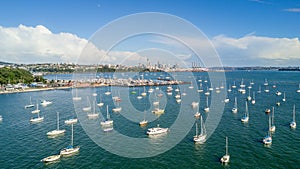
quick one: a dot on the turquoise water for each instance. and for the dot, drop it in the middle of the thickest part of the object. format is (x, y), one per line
(23, 145)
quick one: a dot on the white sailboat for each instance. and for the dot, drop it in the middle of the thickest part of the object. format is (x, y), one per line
(249, 96)
(144, 92)
(298, 91)
(1, 118)
(144, 122)
(108, 121)
(259, 89)
(206, 109)
(293, 123)
(283, 99)
(57, 131)
(195, 104)
(30, 104)
(70, 149)
(100, 104)
(267, 89)
(71, 121)
(235, 109)
(45, 103)
(88, 107)
(226, 158)
(253, 98)
(266, 82)
(76, 97)
(200, 138)
(229, 88)
(93, 114)
(51, 158)
(157, 110)
(268, 139)
(245, 119)
(37, 110)
(37, 119)
(272, 126)
(233, 86)
(191, 86)
(197, 114)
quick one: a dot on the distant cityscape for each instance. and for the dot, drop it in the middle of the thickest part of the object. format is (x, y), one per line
(51, 68)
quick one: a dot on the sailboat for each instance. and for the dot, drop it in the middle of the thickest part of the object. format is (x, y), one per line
(37, 110)
(253, 98)
(235, 109)
(272, 126)
(45, 103)
(293, 123)
(144, 92)
(225, 159)
(268, 139)
(245, 119)
(94, 114)
(157, 110)
(249, 97)
(197, 114)
(233, 86)
(50, 159)
(117, 108)
(266, 82)
(267, 89)
(200, 138)
(88, 108)
(144, 122)
(37, 119)
(57, 131)
(283, 99)
(206, 109)
(108, 121)
(70, 149)
(76, 98)
(207, 93)
(191, 86)
(229, 88)
(1, 118)
(259, 89)
(30, 104)
(100, 104)
(71, 121)
(298, 91)
(195, 104)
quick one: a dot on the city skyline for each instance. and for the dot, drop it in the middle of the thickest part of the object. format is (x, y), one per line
(244, 33)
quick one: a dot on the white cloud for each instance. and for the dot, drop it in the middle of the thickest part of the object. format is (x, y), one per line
(292, 10)
(257, 50)
(25, 44)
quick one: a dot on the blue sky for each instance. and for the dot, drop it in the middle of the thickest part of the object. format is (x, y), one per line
(220, 20)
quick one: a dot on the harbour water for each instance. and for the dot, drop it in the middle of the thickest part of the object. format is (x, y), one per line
(23, 145)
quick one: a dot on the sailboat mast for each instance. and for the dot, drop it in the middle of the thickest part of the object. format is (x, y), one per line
(57, 121)
(72, 136)
(201, 121)
(196, 129)
(226, 145)
(294, 113)
(107, 114)
(235, 102)
(269, 122)
(247, 113)
(273, 116)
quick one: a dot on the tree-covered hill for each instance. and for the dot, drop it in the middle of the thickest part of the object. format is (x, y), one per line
(16, 75)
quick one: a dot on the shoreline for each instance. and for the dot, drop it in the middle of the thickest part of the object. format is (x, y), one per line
(85, 86)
